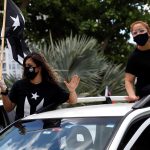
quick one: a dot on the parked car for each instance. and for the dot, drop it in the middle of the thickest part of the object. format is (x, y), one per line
(97, 127)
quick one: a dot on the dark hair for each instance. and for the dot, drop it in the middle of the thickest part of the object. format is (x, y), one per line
(47, 72)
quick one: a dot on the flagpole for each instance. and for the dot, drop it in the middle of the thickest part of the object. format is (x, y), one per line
(3, 38)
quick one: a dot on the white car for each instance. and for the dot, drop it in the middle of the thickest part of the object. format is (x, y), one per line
(97, 127)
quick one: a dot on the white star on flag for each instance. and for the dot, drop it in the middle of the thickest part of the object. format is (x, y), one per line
(16, 22)
(35, 96)
(14, 29)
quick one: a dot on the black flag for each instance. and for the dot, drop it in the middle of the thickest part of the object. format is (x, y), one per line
(14, 31)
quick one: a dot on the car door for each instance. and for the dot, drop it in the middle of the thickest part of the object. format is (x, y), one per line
(140, 139)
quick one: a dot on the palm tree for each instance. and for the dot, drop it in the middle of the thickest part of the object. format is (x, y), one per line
(80, 55)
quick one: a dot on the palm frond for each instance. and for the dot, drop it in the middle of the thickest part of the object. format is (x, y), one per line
(79, 55)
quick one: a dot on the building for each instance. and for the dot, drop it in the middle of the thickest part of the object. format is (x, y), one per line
(10, 67)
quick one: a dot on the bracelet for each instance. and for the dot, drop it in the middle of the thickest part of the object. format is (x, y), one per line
(5, 93)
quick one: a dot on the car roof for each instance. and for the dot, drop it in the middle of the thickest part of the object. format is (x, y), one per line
(119, 109)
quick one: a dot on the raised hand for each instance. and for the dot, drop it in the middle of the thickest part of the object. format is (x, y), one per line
(73, 84)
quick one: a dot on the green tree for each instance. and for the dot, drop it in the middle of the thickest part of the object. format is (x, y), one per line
(106, 20)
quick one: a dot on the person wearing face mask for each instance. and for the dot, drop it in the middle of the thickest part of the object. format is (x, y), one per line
(137, 72)
(37, 89)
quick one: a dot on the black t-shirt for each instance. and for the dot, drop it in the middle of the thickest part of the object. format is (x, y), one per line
(30, 97)
(139, 65)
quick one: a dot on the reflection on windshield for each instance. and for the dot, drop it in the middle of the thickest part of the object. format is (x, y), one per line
(59, 134)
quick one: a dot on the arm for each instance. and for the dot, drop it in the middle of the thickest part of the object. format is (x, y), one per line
(72, 98)
(129, 85)
(8, 105)
(72, 85)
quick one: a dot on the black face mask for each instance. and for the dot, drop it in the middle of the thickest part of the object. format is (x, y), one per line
(141, 39)
(30, 72)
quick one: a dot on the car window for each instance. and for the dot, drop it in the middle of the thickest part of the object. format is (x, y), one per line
(60, 134)
(138, 140)
(143, 141)
(136, 137)
(130, 132)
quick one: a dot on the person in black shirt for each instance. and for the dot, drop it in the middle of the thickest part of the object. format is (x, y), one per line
(38, 89)
(138, 65)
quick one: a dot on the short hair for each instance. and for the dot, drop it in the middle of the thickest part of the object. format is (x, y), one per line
(145, 24)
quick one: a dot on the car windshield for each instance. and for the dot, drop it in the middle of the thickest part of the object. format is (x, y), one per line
(59, 134)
